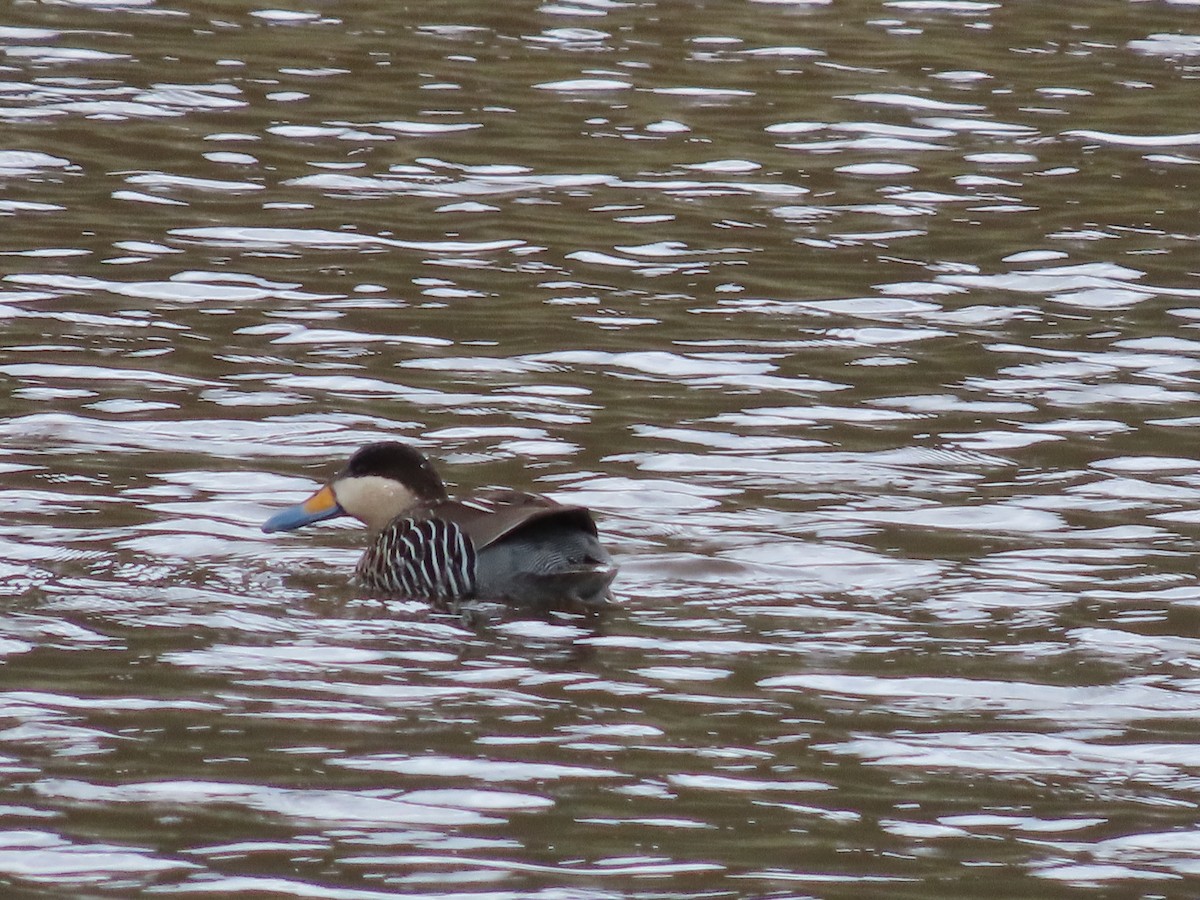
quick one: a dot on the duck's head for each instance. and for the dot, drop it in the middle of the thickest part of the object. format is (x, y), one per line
(381, 481)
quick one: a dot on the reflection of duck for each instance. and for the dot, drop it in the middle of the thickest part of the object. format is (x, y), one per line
(497, 545)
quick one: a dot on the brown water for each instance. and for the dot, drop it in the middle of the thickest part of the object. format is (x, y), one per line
(868, 330)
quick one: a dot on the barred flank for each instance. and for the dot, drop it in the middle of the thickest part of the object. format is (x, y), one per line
(420, 559)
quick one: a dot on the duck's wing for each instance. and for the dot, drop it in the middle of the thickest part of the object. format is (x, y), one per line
(490, 516)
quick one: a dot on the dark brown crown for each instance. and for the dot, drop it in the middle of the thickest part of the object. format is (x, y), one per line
(397, 462)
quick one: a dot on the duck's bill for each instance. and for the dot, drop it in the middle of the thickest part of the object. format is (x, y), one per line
(320, 506)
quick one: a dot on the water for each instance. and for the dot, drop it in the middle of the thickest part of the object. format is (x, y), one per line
(867, 330)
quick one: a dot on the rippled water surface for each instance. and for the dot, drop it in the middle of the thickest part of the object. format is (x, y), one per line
(868, 330)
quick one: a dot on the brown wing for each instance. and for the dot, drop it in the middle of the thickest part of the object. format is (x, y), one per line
(491, 515)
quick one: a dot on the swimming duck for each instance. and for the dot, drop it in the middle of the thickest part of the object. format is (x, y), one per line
(504, 545)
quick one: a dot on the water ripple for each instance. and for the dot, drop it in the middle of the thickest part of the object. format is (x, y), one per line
(872, 349)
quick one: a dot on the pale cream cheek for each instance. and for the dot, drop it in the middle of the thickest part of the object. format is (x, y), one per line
(373, 500)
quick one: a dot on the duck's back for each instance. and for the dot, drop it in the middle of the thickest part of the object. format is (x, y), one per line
(551, 559)
(501, 545)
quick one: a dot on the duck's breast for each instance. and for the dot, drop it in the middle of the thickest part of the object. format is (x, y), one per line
(421, 559)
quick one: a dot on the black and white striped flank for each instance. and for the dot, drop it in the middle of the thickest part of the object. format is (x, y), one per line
(420, 559)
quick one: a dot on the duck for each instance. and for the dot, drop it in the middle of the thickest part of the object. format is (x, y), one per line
(518, 548)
